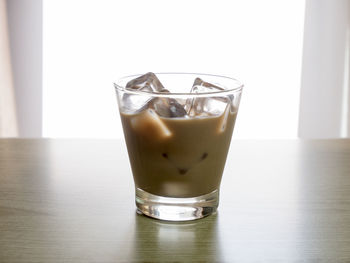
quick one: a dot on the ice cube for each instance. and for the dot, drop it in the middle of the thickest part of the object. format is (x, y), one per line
(223, 121)
(147, 82)
(168, 107)
(201, 86)
(201, 107)
(133, 103)
(148, 125)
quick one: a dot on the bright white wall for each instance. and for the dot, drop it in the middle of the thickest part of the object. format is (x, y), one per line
(89, 44)
(8, 119)
(325, 96)
(25, 30)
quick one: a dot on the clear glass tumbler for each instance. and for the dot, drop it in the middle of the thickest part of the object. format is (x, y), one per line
(177, 141)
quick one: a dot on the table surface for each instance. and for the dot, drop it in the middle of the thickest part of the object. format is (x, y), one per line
(73, 201)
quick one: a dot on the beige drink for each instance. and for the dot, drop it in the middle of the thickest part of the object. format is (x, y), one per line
(178, 130)
(185, 160)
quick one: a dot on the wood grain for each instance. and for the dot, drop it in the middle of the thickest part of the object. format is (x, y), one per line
(72, 201)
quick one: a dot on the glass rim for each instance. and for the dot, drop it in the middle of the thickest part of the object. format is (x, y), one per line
(238, 86)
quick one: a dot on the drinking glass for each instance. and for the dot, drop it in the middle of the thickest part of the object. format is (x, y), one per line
(177, 162)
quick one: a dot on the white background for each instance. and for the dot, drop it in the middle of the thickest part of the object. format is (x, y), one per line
(89, 44)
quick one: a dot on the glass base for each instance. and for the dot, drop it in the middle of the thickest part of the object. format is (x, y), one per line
(176, 209)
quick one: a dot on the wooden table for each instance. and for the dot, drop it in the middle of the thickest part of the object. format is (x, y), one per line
(73, 201)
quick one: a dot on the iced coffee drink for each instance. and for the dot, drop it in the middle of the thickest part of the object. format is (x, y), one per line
(177, 141)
